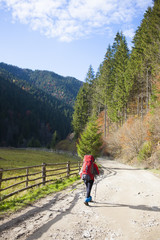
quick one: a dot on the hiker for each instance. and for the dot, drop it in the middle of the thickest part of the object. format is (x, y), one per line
(88, 172)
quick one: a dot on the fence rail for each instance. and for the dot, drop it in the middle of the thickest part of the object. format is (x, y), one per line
(32, 176)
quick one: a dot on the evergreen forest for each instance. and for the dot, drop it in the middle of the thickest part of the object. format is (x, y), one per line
(36, 107)
(126, 86)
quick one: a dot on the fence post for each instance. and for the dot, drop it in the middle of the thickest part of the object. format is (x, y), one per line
(68, 168)
(27, 172)
(43, 173)
(79, 165)
(1, 174)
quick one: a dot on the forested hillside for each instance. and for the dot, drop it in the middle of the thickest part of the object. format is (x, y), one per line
(63, 88)
(125, 87)
(30, 114)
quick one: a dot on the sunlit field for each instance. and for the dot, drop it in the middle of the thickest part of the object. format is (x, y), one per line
(21, 158)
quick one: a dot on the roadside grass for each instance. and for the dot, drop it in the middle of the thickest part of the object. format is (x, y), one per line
(16, 158)
(156, 172)
(18, 202)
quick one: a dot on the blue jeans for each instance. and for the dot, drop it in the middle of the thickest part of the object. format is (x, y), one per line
(89, 185)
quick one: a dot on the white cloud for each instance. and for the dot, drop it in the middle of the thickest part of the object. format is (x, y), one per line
(143, 4)
(72, 19)
(129, 32)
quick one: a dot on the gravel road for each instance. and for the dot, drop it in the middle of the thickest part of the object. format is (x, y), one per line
(126, 207)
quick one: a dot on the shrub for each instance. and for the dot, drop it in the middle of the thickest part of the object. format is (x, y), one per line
(145, 151)
(128, 139)
(34, 143)
(154, 160)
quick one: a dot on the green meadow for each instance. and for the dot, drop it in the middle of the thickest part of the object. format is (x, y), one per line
(18, 158)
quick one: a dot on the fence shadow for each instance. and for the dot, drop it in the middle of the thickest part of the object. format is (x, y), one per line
(38, 233)
(28, 214)
(36, 210)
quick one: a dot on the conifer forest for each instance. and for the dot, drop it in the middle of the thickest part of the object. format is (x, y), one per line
(124, 84)
(125, 90)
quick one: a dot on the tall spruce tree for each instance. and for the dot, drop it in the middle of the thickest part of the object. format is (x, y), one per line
(90, 141)
(80, 115)
(120, 59)
(90, 78)
(90, 75)
(96, 96)
(83, 104)
(106, 83)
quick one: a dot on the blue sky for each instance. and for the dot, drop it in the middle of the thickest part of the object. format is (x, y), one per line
(65, 36)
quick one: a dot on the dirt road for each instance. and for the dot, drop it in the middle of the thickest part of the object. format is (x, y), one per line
(126, 207)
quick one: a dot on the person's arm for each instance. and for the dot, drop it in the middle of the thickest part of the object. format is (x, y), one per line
(95, 165)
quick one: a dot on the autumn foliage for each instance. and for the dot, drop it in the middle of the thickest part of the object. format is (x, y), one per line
(137, 140)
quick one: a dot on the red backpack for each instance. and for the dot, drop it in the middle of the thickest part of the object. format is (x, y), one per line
(87, 168)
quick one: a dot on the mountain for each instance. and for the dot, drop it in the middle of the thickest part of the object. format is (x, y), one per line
(31, 113)
(63, 88)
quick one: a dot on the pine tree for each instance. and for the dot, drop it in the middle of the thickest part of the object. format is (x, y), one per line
(81, 108)
(55, 139)
(90, 141)
(106, 83)
(83, 104)
(97, 92)
(90, 79)
(90, 75)
(120, 59)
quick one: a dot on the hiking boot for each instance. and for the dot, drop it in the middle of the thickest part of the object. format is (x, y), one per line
(86, 203)
(90, 199)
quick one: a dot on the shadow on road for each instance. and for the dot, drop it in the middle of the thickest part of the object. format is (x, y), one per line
(33, 211)
(38, 233)
(15, 221)
(138, 207)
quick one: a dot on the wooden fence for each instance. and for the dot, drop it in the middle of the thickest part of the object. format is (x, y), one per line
(34, 176)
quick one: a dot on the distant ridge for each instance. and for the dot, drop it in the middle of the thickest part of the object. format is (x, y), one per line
(63, 88)
(36, 107)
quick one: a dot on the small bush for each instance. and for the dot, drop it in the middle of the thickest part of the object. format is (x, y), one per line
(154, 160)
(127, 140)
(145, 151)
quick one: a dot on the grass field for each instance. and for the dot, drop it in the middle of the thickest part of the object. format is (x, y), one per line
(18, 158)
(15, 158)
